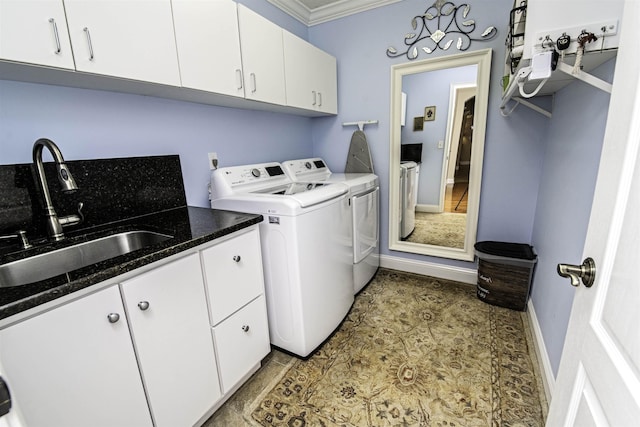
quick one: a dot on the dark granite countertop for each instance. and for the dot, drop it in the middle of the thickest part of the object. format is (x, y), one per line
(190, 226)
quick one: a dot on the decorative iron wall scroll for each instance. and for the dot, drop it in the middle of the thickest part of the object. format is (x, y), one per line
(441, 24)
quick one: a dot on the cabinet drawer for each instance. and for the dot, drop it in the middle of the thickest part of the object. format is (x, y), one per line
(242, 341)
(233, 271)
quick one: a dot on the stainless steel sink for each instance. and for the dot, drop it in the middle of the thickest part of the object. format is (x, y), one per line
(60, 261)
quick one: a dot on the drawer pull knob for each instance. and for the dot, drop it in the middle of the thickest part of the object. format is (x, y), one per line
(236, 258)
(245, 328)
(143, 305)
(113, 317)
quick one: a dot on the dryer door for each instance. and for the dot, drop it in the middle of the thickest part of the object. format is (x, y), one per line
(365, 224)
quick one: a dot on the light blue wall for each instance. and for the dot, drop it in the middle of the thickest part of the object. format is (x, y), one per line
(514, 147)
(89, 124)
(424, 89)
(564, 201)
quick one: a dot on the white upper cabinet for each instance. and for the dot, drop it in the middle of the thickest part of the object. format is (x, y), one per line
(262, 57)
(167, 311)
(35, 32)
(310, 74)
(208, 44)
(131, 39)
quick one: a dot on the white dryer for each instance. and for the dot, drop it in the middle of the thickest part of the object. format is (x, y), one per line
(364, 210)
(307, 264)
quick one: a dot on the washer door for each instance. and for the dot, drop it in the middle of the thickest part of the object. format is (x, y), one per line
(365, 224)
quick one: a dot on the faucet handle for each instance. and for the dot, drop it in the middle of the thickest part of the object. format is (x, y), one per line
(73, 219)
(21, 235)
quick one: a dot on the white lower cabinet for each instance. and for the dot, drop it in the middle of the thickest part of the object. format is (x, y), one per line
(168, 319)
(242, 341)
(144, 352)
(235, 288)
(72, 367)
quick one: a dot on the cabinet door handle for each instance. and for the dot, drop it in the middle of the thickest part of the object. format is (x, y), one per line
(245, 328)
(319, 99)
(253, 80)
(113, 317)
(86, 31)
(236, 258)
(314, 97)
(143, 305)
(55, 34)
(239, 78)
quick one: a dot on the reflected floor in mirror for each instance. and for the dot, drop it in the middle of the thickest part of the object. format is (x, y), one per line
(439, 229)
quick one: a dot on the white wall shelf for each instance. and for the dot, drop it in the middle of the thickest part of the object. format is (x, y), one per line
(561, 77)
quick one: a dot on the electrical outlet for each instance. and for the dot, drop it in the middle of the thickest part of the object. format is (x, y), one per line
(440, 144)
(213, 161)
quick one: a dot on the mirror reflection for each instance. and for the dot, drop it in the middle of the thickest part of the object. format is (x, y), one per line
(439, 114)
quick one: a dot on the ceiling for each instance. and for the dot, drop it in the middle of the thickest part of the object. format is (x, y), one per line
(312, 12)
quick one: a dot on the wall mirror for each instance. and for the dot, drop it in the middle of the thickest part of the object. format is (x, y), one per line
(435, 172)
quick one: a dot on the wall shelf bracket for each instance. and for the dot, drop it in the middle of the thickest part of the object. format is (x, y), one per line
(361, 123)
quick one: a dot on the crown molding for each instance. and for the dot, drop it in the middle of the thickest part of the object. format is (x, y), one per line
(338, 9)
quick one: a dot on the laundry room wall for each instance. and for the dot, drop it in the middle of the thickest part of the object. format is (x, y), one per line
(576, 134)
(514, 147)
(89, 124)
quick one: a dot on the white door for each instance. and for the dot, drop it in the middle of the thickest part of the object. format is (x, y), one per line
(598, 381)
(169, 323)
(128, 39)
(75, 367)
(262, 57)
(35, 32)
(208, 44)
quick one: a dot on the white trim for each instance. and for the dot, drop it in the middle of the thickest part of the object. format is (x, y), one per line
(332, 11)
(459, 274)
(548, 379)
(428, 208)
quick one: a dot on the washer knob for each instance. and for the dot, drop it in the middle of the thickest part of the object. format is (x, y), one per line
(255, 172)
(307, 165)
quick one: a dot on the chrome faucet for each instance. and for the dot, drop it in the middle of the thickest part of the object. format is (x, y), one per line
(54, 224)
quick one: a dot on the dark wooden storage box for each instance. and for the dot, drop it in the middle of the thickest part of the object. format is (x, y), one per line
(505, 281)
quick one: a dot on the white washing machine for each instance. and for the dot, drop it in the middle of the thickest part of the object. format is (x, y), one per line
(409, 198)
(307, 265)
(364, 195)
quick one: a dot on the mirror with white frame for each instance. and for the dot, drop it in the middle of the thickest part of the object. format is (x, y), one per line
(438, 120)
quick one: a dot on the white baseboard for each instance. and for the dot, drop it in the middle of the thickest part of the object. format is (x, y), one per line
(428, 208)
(548, 378)
(459, 274)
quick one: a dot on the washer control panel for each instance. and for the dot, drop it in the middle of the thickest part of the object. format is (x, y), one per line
(261, 173)
(304, 168)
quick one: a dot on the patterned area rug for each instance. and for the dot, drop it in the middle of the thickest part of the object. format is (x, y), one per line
(440, 229)
(413, 351)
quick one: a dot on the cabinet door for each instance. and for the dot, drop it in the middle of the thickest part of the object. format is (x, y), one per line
(299, 69)
(170, 328)
(35, 31)
(72, 367)
(310, 75)
(241, 342)
(262, 57)
(326, 80)
(129, 39)
(208, 45)
(233, 271)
